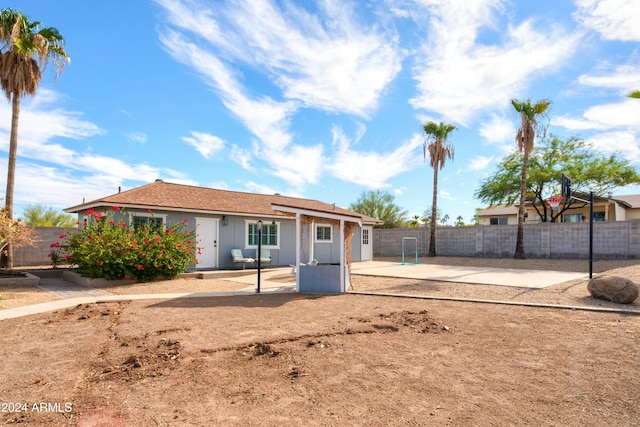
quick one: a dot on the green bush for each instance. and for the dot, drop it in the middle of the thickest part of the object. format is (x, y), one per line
(106, 247)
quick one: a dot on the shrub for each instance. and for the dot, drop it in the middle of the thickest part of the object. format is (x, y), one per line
(107, 247)
(56, 254)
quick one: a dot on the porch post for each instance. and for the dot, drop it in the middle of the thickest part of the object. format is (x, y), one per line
(298, 244)
(342, 252)
(312, 245)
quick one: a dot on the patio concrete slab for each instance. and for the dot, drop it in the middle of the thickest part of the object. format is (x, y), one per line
(534, 279)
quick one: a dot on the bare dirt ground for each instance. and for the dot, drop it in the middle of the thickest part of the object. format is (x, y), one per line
(292, 359)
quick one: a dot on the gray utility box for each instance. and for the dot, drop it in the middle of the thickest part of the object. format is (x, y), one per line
(320, 279)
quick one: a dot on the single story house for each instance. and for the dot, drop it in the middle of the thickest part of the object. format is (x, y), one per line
(228, 220)
(618, 208)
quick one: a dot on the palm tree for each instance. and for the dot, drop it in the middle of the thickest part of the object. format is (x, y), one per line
(634, 94)
(25, 52)
(44, 216)
(440, 149)
(525, 137)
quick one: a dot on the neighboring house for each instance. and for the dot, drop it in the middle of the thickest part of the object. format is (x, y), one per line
(225, 220)
(618, 208)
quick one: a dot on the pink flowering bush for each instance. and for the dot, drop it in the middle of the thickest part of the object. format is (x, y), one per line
(56, 253)
(106, 247)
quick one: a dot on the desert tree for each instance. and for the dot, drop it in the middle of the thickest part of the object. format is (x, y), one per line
(414, 222)
(589, 170)
(439, 148)
(380, 204)
(531, 124)
(14, 232)
(25, 51)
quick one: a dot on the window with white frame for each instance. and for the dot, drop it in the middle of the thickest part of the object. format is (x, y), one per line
(324, 233)
(270, 234)
(95, 217)
(139, 219)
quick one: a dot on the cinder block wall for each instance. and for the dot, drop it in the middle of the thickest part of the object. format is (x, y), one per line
(611, 240)
(38, 255)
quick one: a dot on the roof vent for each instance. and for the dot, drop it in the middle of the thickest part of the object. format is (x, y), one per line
(159, 180)
(276, 194)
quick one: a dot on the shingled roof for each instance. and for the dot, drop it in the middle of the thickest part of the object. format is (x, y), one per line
(187, 198)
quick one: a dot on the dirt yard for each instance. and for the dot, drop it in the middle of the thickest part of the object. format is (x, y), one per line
(290, 359)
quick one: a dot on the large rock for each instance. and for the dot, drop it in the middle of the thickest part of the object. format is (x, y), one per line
(613, 288)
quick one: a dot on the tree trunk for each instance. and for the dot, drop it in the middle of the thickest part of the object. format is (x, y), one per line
(523, 196)
(432, 237)
(11, 169)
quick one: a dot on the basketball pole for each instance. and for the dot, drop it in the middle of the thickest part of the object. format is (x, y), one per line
(565, 185)
(590, 235)
(590, 230)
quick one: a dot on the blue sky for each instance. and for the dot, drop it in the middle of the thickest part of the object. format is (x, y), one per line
(316, 99)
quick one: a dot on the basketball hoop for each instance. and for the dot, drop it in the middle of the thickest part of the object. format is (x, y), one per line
(554, 201)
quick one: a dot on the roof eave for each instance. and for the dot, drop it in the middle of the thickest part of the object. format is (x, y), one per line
(319, 213)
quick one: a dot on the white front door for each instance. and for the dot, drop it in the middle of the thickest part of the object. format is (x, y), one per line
(366, 251)
(207, 241)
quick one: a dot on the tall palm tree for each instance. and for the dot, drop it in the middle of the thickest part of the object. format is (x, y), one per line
(439, 149)
(25, 51)
(530, 114)
(634, 94)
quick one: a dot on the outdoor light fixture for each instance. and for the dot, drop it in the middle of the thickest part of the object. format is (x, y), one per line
(225, 220)
(259, 224)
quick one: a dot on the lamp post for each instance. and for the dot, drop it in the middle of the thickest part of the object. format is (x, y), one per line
(259, 251)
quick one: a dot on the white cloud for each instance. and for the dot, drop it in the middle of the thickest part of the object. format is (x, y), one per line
(109, 166)
(446, 195)
(624, 77)
(398, 191)
(498, 130)
(177, 177)
(56, 187)
(479, 163)
(613, 19)
(458, 76)
(140, 137)
(624, 143)
(205, 144)
(265, 118)
(241, 156)
(328, 61)
(255, 187)
(604, 117)
(40, 122)
(297, 165)
(372, 169)
(38, 126)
